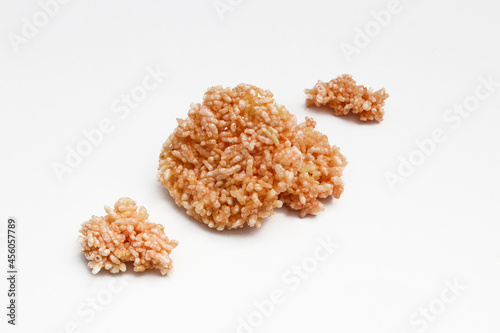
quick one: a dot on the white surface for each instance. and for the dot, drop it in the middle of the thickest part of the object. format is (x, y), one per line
(396, 249)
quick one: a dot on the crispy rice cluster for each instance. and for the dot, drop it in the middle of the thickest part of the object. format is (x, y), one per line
(319, 175)
(344, 96)
(125, 234)
(239, 155)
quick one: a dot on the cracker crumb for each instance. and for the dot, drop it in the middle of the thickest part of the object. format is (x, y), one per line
(123, 235)
(344, 96)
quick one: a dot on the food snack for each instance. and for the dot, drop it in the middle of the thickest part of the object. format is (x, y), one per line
(344, 96)
(319, 175)
(228, 163)
(125, 234)
(229, 160)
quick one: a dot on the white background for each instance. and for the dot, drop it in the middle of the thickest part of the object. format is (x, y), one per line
(397, 247)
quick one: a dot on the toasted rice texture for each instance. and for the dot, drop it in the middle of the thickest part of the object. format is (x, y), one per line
(227, 163)
(344, 96)
(319, 175)
(125, 235)
(237, 156)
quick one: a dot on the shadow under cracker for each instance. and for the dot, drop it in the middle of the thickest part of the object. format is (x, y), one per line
(129, 271)
(296, 213)
(350, 117)
(244, 231)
